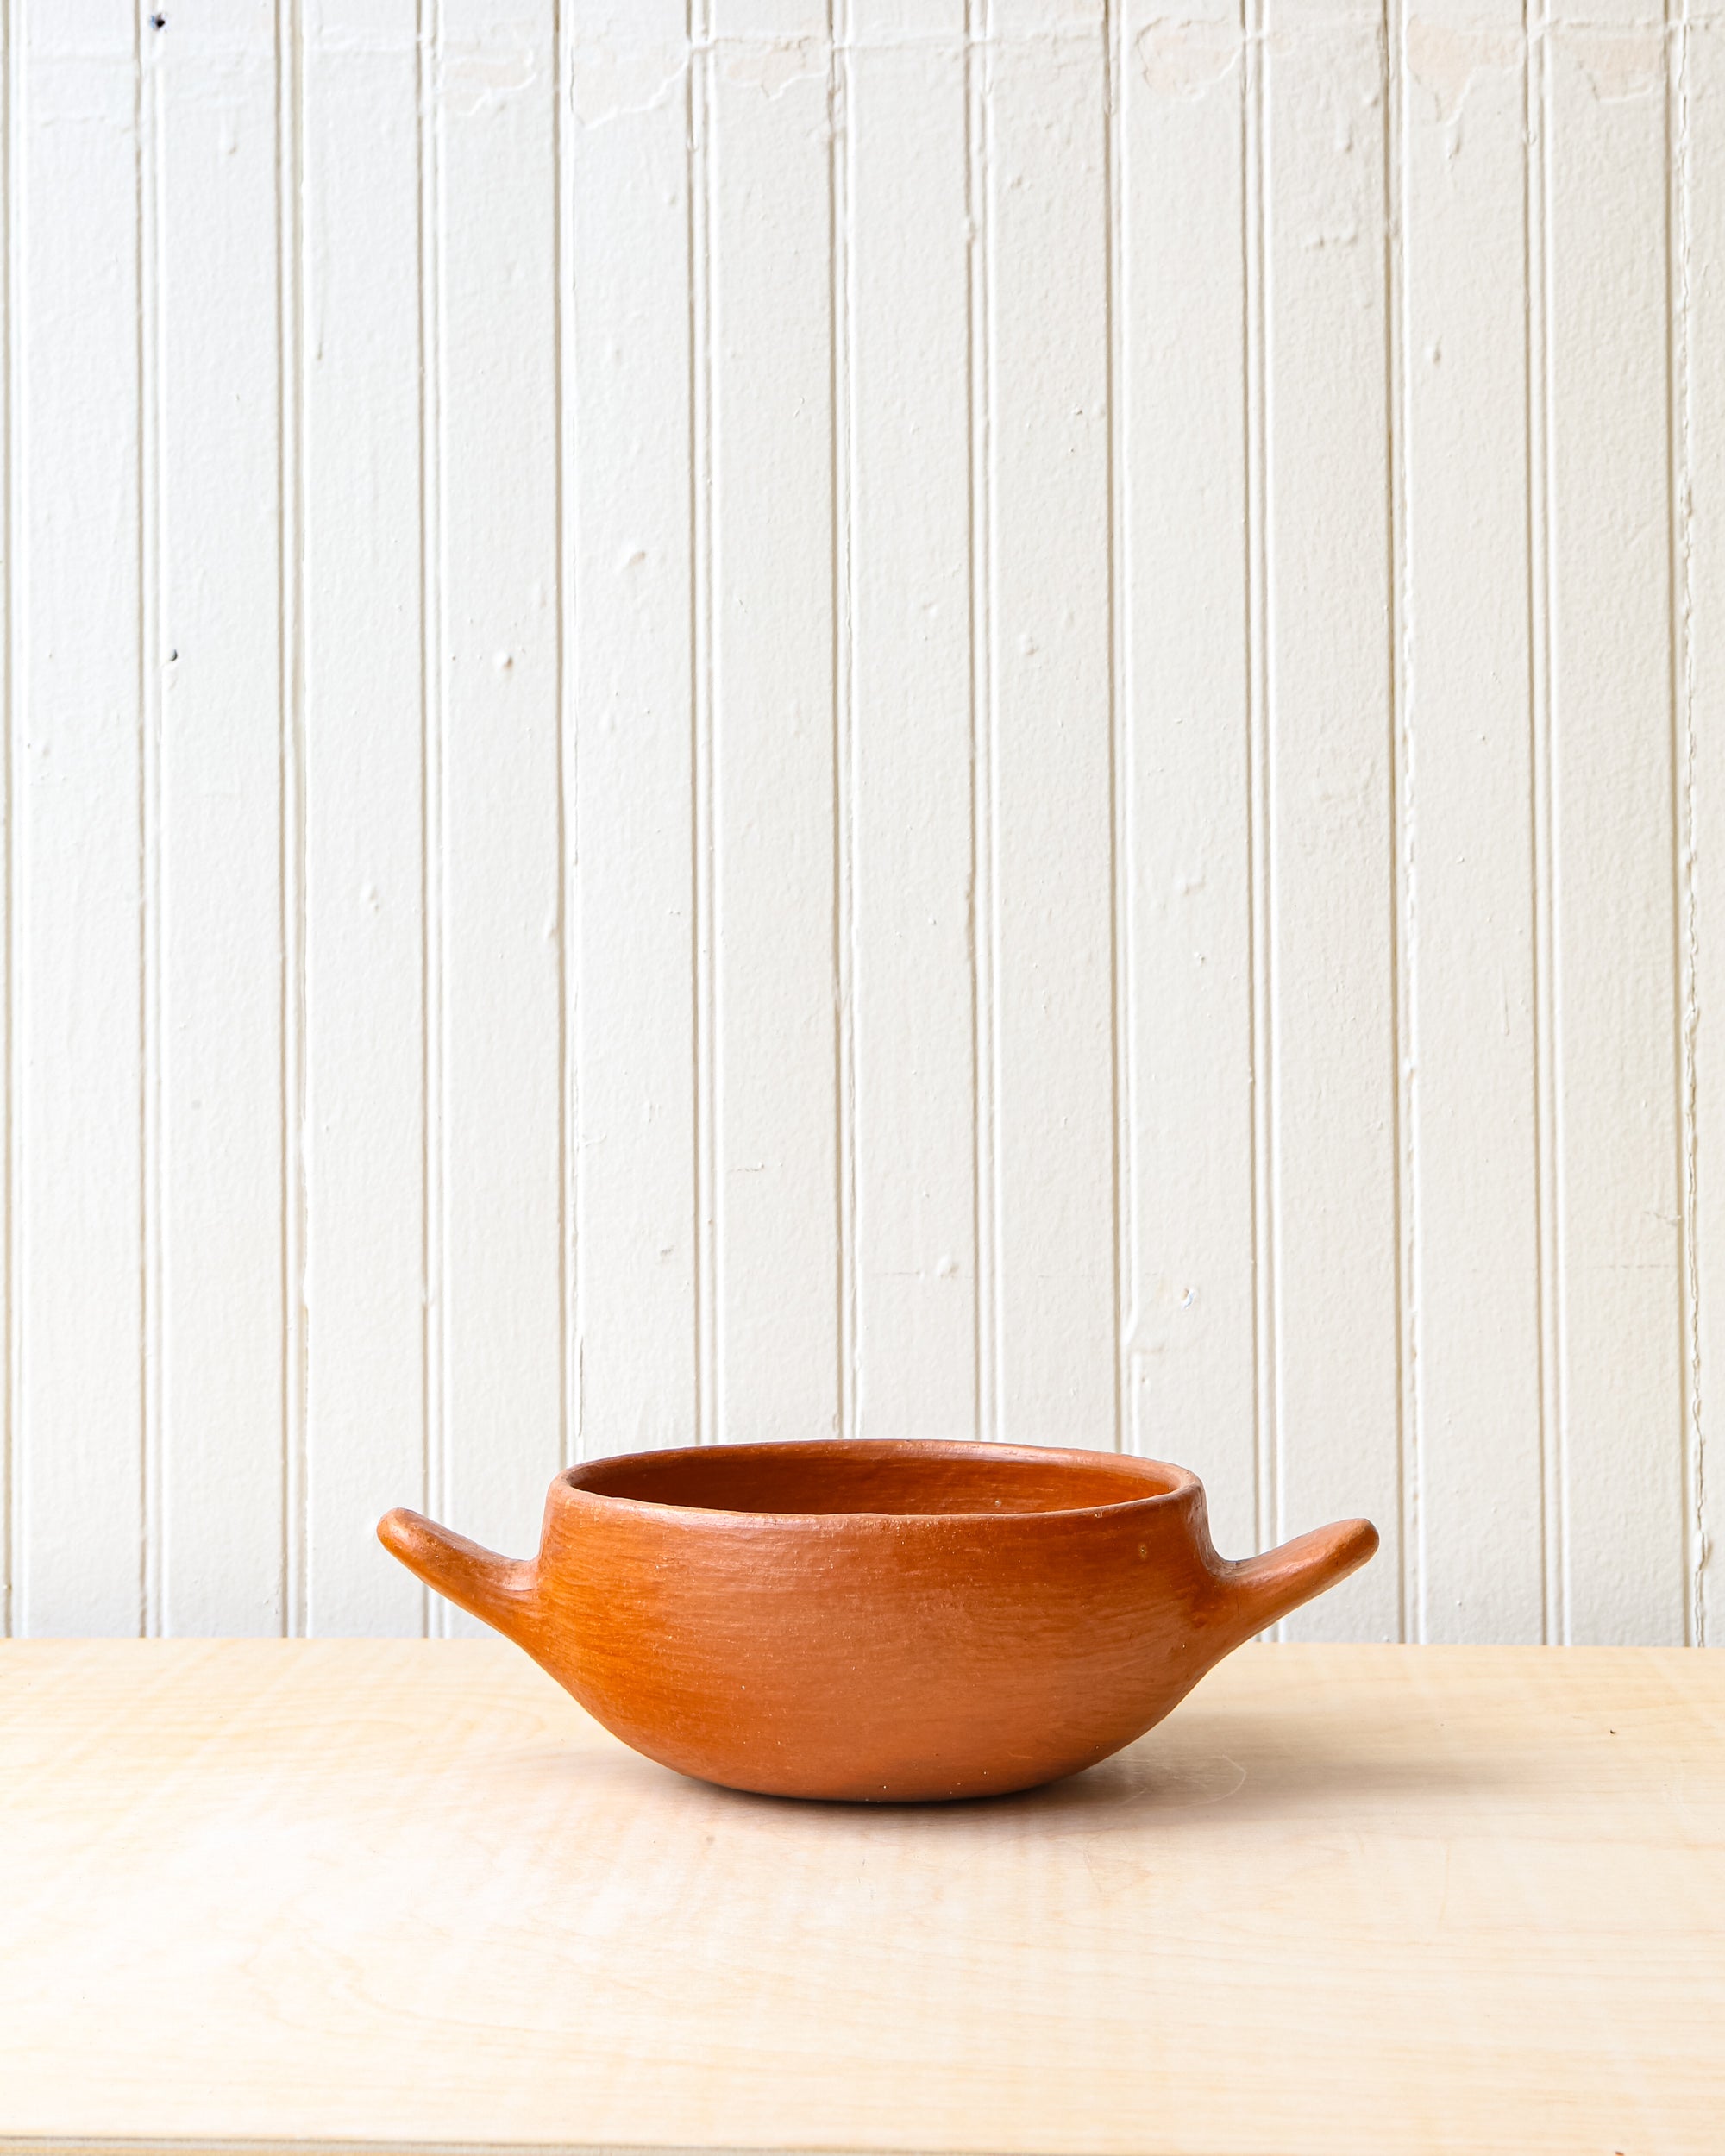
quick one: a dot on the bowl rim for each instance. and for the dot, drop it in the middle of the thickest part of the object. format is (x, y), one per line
(1179, 1482)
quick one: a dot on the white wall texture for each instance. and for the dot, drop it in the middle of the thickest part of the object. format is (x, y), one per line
(963, 716)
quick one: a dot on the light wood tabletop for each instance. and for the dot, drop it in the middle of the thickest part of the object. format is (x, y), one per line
(390, 1896)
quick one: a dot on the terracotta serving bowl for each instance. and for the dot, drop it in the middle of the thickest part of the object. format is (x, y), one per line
(876, 1619)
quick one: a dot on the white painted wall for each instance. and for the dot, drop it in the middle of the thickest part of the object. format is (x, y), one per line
(1000, 716)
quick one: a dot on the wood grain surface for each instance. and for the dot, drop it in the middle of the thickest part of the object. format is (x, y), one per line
(392, 1895)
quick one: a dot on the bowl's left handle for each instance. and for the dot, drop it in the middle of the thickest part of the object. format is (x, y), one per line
(499, 1591)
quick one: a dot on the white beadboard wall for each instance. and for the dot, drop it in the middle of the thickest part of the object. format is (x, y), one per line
(936, 717)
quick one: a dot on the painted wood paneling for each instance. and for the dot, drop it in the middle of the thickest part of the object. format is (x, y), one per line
(1610, 860)
(1186, 586)
(779, 718)
(1698, 235)
(85, 675)
(1470, 1143)
(228, 706)
(491, 133)
(906, 698)
(363, 687)
(632, 924)
(775, 828)
(1329, 1058)
(1052, 1158)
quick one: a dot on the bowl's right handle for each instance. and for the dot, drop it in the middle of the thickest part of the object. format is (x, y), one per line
(1279, 1580)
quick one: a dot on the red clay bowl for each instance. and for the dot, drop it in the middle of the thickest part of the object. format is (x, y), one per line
(876, 1619)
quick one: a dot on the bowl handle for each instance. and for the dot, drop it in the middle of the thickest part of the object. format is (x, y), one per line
(499, 1591)
(1279, 1580)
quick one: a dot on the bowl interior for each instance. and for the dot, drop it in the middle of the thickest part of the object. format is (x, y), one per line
(836, 1477)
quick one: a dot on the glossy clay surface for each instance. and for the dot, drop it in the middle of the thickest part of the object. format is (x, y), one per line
(876, 1620)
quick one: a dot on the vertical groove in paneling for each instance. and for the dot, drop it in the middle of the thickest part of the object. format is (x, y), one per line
(1696, 1425)
(704, 971)
(842, 394)
(566, 659)
(1538, 184)
(1680, 312)
(1701, 180)
(1254, 628)
(1404, 887)
(9, 577)
(1128, 1221)
(290, 480)
(153, 656)
(429, 41)
(1118, 568)
(983, 957)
